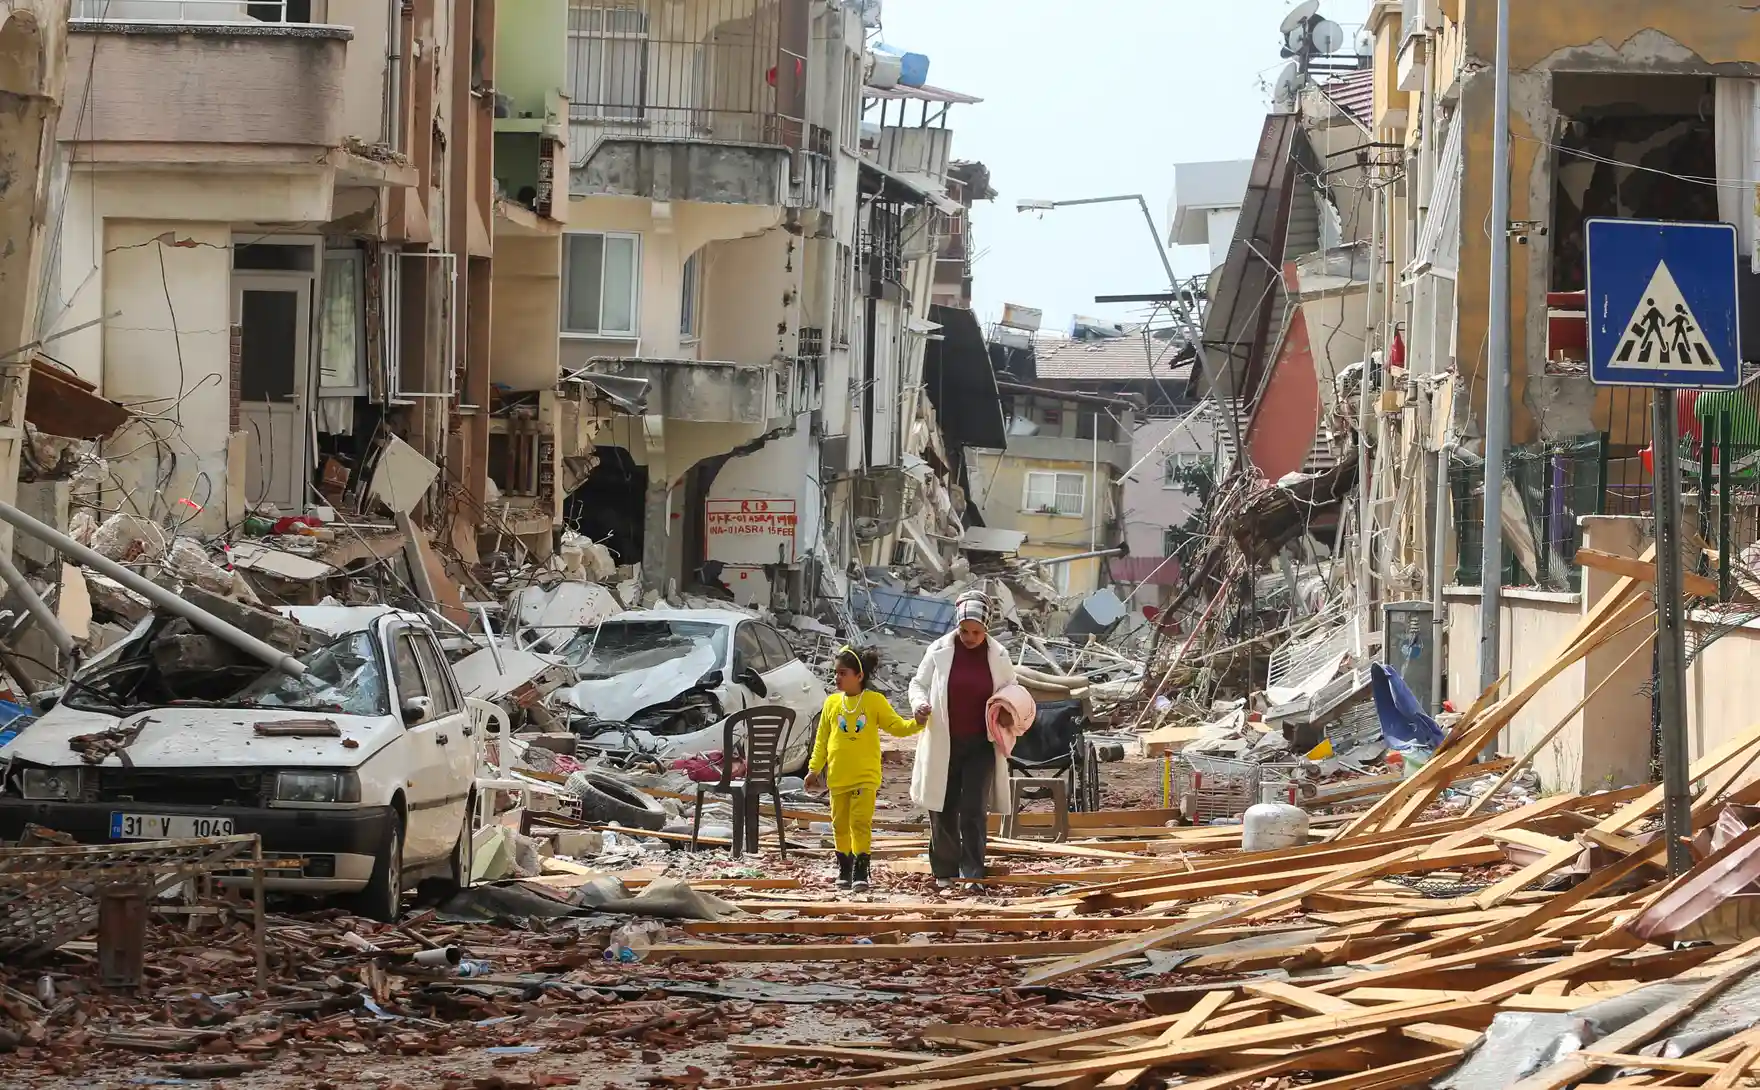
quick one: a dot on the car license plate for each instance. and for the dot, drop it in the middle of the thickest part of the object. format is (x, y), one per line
(166, 826)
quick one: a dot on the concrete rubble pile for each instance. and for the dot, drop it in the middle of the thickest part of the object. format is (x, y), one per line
(1435, 924)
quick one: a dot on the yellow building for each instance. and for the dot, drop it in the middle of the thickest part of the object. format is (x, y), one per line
(1059, 480)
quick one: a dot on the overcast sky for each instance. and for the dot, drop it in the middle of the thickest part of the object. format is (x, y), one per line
(1086, 98)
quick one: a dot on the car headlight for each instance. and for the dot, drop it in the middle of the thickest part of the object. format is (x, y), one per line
(317, 787)
(51, 784)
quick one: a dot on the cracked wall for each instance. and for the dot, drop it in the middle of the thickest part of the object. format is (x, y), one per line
(1630, 37)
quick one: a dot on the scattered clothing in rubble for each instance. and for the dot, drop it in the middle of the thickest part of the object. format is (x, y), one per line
(1404, 724)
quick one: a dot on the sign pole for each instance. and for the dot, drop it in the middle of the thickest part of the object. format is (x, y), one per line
(1670, 633)
(1665, 313)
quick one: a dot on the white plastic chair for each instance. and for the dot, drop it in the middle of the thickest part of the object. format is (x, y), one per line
(491, 778)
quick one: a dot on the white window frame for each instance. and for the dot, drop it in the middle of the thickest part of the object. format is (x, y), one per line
(596, 106)
(690, 299)
(635, 290)
(358, 260)
(1027, 506)
(843, 297)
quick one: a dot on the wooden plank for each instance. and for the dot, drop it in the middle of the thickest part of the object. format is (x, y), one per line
(1140, 944)
(1655, 1063)
(1695, 585)
(999, 924)
(925, 951)
(1426, 788)
(1288, 1032)
(1481, 722)
(1203, 888)
(1302, 999)
(1409, 1073)
(1189, 1023)
(1541, 742)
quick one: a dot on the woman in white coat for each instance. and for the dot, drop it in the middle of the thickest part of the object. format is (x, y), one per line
(960, 776)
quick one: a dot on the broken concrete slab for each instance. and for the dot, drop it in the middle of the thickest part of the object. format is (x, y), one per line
(401, 477)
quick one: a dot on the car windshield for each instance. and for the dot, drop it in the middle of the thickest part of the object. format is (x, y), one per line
(343, 676)
(620, 647)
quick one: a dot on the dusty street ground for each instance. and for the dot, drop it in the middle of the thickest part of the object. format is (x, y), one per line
(547, 1016)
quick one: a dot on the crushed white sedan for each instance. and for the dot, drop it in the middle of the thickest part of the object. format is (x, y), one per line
(659, 682)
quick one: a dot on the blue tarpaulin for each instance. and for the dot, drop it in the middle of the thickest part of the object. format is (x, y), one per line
(1404, 724)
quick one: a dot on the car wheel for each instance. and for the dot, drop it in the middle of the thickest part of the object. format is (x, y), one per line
(612, 799)
(462, 851)
(382, 900)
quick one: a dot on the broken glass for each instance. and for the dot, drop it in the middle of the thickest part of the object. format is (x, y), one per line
(621, 647)
(342, 676)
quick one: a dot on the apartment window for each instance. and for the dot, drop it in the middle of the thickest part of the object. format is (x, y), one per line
(1055, 493)
(1181, 460)
(689, 295)
(850, 117)
(599, 275)
(841, 302)
(341, 324)
(607, 62)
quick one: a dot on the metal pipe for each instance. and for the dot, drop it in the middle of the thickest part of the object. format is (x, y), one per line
(1365, 621)
(1496, 370)
(1438, 608)
(1117, 550)
(1177, 297)
(1094, 487)
(34, 602)
(1725, 433)
(154, 593)
(1671, 651)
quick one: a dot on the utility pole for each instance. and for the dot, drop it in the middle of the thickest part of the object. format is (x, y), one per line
(1497, 366)
(1176, 295)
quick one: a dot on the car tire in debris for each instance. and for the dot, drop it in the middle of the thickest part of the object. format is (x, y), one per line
(382, 900)
(612, 799)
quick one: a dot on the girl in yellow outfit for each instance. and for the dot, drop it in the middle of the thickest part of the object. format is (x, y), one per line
(846, 757)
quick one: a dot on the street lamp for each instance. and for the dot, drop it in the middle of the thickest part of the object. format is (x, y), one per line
(1176, 298)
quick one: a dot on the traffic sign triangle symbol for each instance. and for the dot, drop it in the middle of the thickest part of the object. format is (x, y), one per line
(1663, 333)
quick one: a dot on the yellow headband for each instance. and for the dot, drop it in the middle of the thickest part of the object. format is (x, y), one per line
(861, 671)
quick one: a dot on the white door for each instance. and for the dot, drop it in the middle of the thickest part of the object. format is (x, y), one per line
(274, 314)
(427, 765)
(792, 684)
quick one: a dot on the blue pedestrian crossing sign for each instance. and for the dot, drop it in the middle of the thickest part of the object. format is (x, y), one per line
(1662, 304)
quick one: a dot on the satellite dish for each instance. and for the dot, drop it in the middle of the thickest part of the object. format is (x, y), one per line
(1327, 36)
(1288, 87)
(1298, 15)
(1295, 40)
(1365, 44)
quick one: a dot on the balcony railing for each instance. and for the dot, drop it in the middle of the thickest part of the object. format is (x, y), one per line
(723, 70)
(193, 11)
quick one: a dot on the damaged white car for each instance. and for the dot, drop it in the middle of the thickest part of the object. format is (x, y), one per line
(659, 682)
(362, 768)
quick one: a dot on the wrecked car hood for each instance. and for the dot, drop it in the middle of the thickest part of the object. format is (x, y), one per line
(630, 692)
(205, 738)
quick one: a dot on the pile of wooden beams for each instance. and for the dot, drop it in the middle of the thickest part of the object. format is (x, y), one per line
(1373, 956)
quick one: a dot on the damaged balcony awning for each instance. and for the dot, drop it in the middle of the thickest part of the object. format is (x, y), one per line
(905, 189)
(627, 393)
(61, 403)
(961, 383)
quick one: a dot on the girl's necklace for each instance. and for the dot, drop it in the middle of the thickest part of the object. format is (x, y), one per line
(848, 708)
